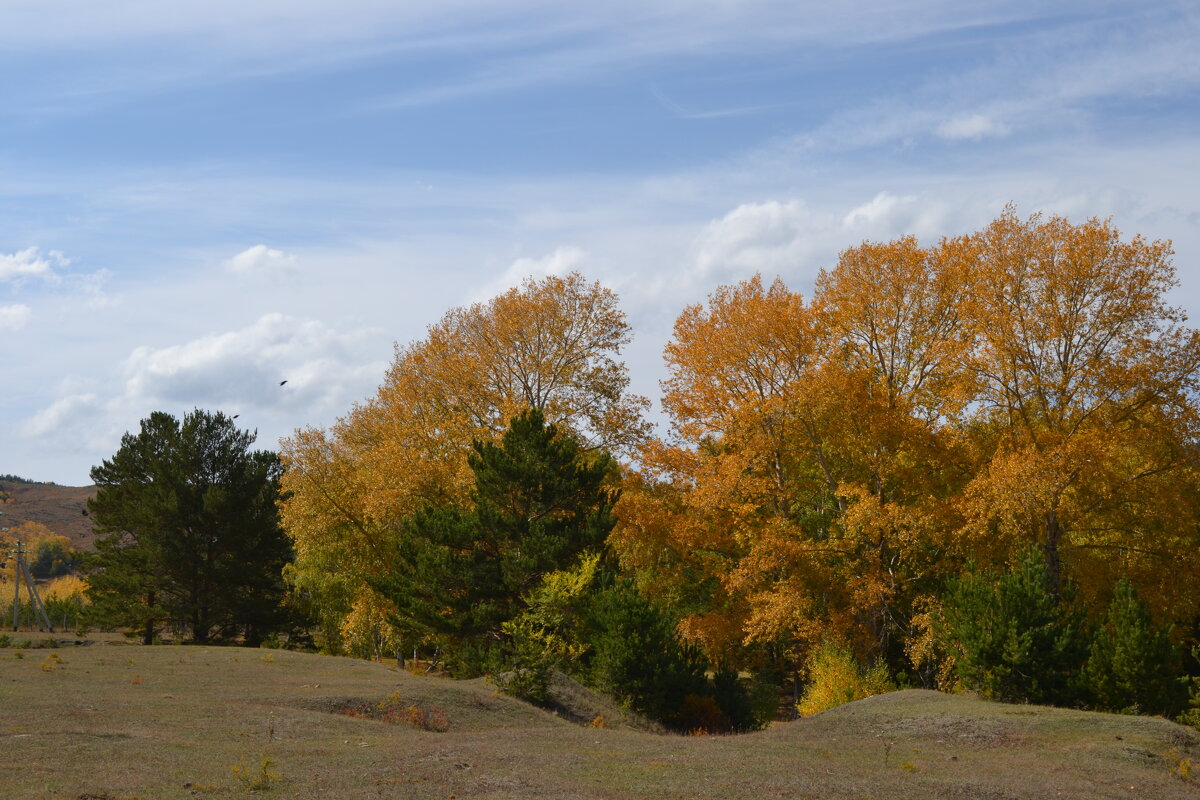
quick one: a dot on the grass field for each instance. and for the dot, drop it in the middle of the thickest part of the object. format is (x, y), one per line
(113, 720)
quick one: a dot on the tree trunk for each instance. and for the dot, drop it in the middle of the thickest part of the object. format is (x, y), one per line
(1054, 533)
(148, 634)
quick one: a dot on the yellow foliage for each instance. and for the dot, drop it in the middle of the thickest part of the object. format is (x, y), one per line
(64, 587)
(835, 678)
(835, 460)
(811, 477)
(366, 630)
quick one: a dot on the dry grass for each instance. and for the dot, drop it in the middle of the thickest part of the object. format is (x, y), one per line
(180, 722)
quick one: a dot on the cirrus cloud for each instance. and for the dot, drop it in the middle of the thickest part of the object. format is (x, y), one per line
(972, 126)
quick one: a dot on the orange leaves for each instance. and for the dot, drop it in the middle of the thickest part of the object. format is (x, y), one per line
(549, 345)
(896, 311)
(1085, 405)
(931, 404)
(744, 350)
(1068, 319)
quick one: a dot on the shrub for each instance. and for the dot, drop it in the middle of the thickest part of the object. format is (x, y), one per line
(638, 658)
(835, 678)
(1191, 715)
(394, 710)
(257, 779)
(746, 708)
(546, 636)
(700, 714)
(54, 559)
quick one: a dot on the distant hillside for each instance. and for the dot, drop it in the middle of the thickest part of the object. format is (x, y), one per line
(59, 508)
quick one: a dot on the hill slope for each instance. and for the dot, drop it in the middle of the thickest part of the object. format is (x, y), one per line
(59, 508)
(165, 722)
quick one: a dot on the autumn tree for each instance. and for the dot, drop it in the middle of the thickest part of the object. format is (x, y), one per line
(834, 462)
(812, 467)
(722, 495)
(550, 345)
(1084, 411)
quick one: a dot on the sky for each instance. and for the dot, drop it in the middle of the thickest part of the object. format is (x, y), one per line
(200, 200)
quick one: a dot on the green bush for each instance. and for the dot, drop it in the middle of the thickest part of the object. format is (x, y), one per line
(739, 702)
(638, 659)
(546, 636)
(54, 559)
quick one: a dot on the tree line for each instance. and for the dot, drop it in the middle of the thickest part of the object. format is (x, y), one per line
(908, 468)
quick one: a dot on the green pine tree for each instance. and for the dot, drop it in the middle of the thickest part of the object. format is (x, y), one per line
(1015, 639)
(188, 532)
(637, 656)
(1133, 665)
(539, 503)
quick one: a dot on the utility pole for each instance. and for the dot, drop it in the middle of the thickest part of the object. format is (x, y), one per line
(16, 596)
(22, 571)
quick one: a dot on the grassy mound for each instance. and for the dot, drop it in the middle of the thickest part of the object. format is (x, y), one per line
(185, 722)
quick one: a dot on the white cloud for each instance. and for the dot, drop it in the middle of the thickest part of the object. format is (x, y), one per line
(769, 237)
(558, 262)
(238, 372)
(30, 263)
(14, 317)
(261, 260)
(794, 239)
(71, 413)
(973, 126)
(244, 367)
(881, 207)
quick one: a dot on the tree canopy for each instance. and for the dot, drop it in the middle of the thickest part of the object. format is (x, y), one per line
(985, 421)
(536, 507)
(835, 461)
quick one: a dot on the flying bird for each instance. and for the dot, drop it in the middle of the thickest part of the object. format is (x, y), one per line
(281, 383)
(235, 416)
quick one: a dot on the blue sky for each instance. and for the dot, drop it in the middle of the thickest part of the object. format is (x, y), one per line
(198, 200)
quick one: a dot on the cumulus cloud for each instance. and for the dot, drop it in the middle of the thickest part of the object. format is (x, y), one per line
(794, 240)
(887, 216)
(238, 372)
(972, 126)
(558, 262)
(768, 237)
(30, 263)
(70, 413)
(14, 317)
(261, 260)
(244, 367)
